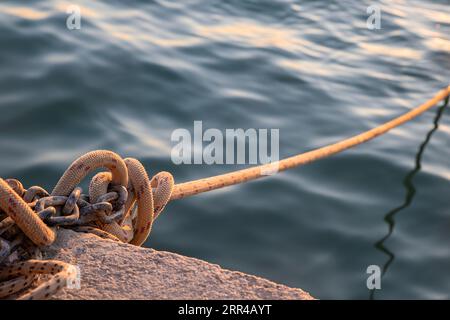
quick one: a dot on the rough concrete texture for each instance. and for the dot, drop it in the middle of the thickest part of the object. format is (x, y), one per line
(111, 270)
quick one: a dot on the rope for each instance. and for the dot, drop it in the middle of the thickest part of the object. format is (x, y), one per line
(121, 205)
(191, 188)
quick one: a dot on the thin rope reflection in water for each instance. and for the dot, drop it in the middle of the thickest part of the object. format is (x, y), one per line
(409, 196)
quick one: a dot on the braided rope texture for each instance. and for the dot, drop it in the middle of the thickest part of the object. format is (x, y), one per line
(122, 204)
(191, 188)
(125, 185)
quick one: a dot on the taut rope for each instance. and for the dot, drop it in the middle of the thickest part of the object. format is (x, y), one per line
(121, 205)
(191, 188)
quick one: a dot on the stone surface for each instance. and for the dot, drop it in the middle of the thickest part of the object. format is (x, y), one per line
(111, 270)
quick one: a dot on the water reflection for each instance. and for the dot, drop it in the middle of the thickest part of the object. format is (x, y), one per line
(253, 34)
(410, 193)
(23, 12)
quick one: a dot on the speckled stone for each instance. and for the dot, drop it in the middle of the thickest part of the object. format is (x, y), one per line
(111, 270)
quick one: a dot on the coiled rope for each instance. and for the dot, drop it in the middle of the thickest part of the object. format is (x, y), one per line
(121, 205)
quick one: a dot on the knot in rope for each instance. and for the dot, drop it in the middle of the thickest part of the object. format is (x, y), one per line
(121, 205)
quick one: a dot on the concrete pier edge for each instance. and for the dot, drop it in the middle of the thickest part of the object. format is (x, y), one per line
(111, 270)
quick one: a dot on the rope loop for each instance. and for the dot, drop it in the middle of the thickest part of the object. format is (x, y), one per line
(107, 211)
(121, 205)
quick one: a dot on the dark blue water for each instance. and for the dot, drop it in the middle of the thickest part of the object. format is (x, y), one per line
(135, 72)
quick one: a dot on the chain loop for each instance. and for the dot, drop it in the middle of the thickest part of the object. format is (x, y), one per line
(109, 215)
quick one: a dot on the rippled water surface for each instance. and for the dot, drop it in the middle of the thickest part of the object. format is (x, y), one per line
(137, 71)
